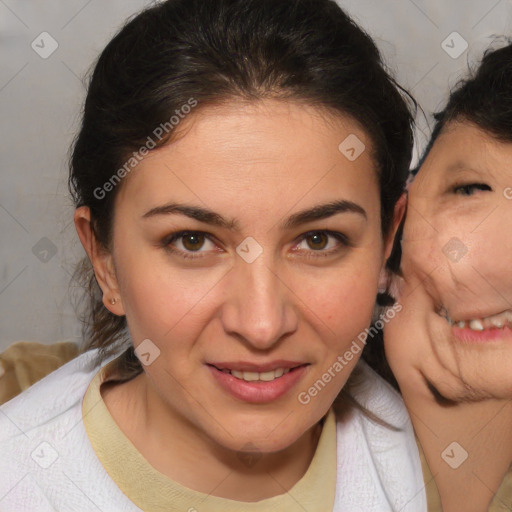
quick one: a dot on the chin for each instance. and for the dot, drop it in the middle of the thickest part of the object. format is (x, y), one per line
(261, 443)
(261, 434)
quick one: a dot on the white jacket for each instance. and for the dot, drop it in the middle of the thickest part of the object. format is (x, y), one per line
(47, 463)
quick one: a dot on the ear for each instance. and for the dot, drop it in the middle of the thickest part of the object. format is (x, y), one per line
(398, 215)
(101, 259)
(386, 278)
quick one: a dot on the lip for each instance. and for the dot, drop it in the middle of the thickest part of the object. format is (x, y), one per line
(467, 335)
(258, 392)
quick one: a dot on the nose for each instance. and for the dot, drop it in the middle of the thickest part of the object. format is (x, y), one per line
(259, 307)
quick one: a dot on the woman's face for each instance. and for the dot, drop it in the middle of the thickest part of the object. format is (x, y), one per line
(455, 327)
(248, 253)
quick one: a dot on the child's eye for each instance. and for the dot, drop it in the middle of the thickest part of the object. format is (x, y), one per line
(470, 189)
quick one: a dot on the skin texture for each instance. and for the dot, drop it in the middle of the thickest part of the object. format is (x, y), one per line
(456, 255)
(256, 163)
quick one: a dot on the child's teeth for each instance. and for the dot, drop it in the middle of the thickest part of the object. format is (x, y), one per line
(476, 325)
(497, 322)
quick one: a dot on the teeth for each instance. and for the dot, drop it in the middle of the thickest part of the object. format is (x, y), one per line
(264, 376)
(479, 324)
(476, 325)
(497, 322)
(267, 376)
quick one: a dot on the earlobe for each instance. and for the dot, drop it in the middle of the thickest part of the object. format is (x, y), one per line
(101, 260)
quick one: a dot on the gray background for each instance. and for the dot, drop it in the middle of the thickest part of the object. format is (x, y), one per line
(40, 101)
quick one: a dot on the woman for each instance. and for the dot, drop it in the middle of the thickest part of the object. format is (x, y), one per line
(238, 180)
(450, 347)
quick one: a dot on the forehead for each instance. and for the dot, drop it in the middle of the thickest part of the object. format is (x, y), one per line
(464, 148)
(269, 130)
(271, 147)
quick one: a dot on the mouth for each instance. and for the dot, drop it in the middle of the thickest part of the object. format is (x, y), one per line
(496, 321)
(252, 375)
(258, 384)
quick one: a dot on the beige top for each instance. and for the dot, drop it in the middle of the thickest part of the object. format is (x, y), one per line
(152, 491)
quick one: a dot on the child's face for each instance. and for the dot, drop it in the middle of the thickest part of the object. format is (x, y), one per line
(257, 287)
(456, 261)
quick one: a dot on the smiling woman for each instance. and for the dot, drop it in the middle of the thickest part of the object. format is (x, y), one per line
(233, 265)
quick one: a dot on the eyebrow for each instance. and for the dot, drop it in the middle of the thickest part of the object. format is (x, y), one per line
(206, 216)
(324, 211)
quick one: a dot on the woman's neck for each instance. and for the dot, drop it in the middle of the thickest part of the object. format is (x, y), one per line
(468, 447)
(176, 448)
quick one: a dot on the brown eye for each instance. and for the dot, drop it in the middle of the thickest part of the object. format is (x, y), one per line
(317, 241)
(193, 241)
(322, 243)
(190, 244)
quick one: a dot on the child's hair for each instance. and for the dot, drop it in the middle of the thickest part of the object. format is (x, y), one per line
(484, 99)
(180, 56)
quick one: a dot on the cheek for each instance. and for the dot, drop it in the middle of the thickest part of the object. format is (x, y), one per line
(159, 299)
(341, 303)
(466, 258)
(438, 255)
(490, 251)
